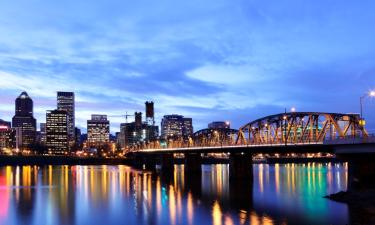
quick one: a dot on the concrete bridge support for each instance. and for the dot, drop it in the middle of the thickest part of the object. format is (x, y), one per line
(193, 163)
(137, 162)
(361, 171)
(193, 183)
(241, 167)
(241, 194)
(361, 164)
(167, 163)
(149, 163)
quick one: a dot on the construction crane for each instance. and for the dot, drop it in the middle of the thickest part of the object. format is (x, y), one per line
(126, 116)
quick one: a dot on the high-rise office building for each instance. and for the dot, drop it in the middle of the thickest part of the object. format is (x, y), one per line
(65, 101)
(97, 130)
(131, 134)
(24, 120)
(7, 136)
(57, 131)
(137, 132)
(174, 126)
(138, 119)
(77, 133)
(150, 113)
(187, 129)
(42, 133)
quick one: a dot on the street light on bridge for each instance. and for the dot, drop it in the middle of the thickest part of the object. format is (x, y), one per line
(369, 94)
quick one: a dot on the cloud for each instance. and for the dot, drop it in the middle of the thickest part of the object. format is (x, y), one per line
(234, 60)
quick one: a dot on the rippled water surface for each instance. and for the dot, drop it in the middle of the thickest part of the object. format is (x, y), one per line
(279, 194)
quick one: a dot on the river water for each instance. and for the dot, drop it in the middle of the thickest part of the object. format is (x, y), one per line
(93, 195)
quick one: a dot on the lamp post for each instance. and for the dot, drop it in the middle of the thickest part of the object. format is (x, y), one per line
(370, 94)
(285, 134)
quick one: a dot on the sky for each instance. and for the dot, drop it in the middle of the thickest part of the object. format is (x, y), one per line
(235, 60)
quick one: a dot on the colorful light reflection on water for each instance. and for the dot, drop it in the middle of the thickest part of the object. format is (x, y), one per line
(280, 194)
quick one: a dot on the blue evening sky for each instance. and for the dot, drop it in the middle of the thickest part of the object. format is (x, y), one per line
(234, 60)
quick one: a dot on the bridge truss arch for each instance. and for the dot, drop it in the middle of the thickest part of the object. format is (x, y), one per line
(215, 137)
(300, 127)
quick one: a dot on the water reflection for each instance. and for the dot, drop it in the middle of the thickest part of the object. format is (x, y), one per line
(279, 194)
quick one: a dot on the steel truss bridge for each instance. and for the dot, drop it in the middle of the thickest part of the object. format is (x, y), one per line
(293, 128)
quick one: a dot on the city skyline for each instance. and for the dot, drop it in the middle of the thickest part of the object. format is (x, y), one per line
(252, 60)
(115, 126)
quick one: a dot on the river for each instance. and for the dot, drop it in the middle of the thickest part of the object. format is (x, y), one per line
(95, 195)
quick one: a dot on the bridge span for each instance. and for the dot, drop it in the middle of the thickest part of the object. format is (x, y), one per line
(293, 128)
(295, 132)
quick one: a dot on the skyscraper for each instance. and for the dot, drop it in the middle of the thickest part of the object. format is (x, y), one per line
(97, 130)
(43, 133)
(7, 135)
(187, 129)
(24, 119)
(150, 113)
(57, 131)
(173, 126)
(65, 101)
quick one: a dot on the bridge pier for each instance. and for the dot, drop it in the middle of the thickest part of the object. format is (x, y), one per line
(193, 163)
(193, 183)
(240, 167)
(361, 166)
(361, 170)
(167, 163)
(241, 194)
(149, 163)
(137, 162)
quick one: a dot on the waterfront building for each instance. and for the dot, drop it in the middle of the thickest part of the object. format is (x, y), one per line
(176, 126)
(219, 125)
(7, 136)
(97, 131)
(131, 134)
(77, 136)
(42, 133)
(187, 129)
(65, 101)
(137, 132)
(24, 120)
(57, 131)
(118, 138)
(150, 113)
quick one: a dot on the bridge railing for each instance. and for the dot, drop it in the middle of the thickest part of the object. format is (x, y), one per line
(226, 145)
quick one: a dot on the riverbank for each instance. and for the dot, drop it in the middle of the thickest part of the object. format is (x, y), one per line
(361, 204)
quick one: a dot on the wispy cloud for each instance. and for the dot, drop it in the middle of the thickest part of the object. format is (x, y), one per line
(229, 60)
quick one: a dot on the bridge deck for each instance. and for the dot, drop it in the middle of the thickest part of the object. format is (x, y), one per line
(253, 149)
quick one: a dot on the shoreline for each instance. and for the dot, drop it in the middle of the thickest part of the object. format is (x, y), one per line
(361, 204)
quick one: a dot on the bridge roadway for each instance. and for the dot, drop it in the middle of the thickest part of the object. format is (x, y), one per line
(252, 149)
